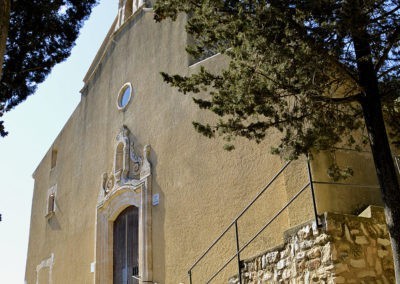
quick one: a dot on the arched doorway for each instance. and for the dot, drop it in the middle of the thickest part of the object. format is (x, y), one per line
(124, 213)
(126, 247)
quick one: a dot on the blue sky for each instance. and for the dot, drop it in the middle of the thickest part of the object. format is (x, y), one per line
(32, 127)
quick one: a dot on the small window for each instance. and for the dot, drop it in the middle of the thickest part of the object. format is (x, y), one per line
(124, 96)
(51, 201)
(53, 158)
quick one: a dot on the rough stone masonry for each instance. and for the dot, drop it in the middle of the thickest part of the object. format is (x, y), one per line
(346, 249)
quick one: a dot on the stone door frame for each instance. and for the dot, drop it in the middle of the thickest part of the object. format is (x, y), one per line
(108, 209)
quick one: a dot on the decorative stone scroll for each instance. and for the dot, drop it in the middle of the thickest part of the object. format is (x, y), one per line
(129, 167)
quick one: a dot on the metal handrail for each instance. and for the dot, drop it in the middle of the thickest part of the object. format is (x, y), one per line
(240, 214)
(397, 160)
(346, 184)
(236, 229)
(260, 231)
(310, 184)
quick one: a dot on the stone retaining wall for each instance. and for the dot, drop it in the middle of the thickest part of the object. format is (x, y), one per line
(347, 249)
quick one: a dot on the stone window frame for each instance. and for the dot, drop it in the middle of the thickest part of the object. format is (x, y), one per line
(121, 93)
(46, 263)
(51, 204)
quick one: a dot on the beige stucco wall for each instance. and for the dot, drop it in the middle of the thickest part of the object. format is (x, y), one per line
(347, 198)
(201, 186)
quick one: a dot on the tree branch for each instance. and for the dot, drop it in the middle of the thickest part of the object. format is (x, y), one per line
(341, 100)
(388, 71)
(383, 16)
(392, 39)
(319, 49)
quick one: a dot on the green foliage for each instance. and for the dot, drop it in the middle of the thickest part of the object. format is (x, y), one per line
(41, 34)
(336, 173)
(293, 67)
(316, 70)
(392, 111)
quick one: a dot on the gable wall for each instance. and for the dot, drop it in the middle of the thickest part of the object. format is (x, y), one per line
(201, 186)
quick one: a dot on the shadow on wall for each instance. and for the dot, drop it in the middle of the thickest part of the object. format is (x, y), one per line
(158, 223)
(53, 222)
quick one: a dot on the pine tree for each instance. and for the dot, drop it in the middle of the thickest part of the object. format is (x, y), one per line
(35, 35)
(317, 70)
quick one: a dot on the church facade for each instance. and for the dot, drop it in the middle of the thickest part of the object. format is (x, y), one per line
(130, 193)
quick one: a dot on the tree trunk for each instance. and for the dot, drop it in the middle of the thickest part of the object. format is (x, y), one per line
(5, 7)
(386, 173)
(384, 164)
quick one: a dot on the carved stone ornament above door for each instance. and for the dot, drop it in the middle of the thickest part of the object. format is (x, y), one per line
(129, 167)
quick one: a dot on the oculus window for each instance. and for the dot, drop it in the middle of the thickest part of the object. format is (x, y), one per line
(124, 96)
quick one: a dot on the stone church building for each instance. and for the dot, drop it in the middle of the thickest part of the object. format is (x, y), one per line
(129, 192)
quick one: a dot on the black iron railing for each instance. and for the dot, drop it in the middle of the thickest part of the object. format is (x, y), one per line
(397, 160)
(234, 224)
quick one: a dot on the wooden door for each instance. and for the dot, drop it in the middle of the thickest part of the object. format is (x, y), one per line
(125, 249)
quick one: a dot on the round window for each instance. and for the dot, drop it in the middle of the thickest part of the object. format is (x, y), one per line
(124, 96)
